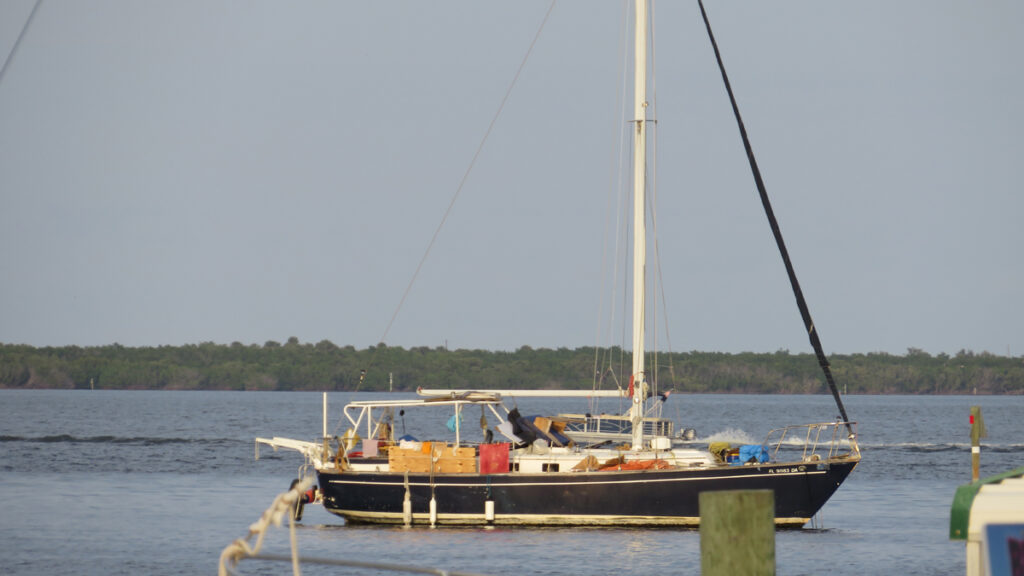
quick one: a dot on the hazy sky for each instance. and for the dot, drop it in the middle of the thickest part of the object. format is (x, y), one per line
(186, 171)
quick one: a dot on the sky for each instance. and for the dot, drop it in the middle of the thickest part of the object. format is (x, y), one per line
(204, 171)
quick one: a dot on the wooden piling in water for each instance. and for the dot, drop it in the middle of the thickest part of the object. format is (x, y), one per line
(977, 433)
(737, 533)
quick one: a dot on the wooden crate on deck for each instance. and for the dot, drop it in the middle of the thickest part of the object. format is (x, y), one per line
(450, 460)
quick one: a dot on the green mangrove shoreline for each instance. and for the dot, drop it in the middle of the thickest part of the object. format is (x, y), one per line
(325, 366)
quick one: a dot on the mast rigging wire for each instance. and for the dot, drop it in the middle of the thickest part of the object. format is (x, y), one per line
(17, 43)
(812, 332)
(458, 189)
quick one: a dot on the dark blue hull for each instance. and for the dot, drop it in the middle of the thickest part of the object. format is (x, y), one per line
(646, 497)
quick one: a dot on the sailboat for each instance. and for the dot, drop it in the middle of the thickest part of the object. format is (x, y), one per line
(531, 470)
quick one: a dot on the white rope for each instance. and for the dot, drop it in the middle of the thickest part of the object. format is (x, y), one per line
(285, 503)
(240, 548)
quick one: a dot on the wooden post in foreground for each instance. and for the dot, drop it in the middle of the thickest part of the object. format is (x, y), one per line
(737, 533)
(977, 433)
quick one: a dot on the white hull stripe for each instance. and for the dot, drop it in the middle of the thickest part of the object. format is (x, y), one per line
(537, 519)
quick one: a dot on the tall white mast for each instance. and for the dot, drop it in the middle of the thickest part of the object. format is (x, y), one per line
(639, 220)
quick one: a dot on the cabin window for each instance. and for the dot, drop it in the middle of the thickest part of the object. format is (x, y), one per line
(549, 467)
(515, 466)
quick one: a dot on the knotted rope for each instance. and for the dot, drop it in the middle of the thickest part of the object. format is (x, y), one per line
(282, 505)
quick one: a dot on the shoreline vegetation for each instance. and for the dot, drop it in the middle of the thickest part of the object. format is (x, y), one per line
(325, 366)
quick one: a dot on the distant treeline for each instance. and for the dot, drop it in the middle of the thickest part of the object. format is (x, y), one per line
(326, 366)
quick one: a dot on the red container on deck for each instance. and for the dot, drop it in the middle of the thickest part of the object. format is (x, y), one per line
(494, 458)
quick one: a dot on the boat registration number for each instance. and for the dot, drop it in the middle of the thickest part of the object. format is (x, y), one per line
(793, 470)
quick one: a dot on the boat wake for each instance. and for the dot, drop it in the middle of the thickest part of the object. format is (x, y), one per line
(737, 436)
(937, 447)
(730, 435)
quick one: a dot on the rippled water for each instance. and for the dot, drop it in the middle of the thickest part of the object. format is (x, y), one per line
(160, 482)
